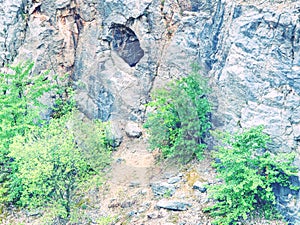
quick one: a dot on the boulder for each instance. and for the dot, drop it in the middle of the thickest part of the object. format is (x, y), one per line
(133, 130)
(200, 186)
(162, 188)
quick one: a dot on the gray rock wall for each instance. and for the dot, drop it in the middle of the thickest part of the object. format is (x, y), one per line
(116, 51)
(256, 71)
(13, 23)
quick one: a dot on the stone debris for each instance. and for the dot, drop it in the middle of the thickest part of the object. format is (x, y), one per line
(162, 189)
(173, 180)
(134, 184)
(153, 215)
(200, 186)
(173, 205)
(127, 204)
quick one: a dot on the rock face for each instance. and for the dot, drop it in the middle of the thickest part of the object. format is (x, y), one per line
(117, 51)
(13, 25)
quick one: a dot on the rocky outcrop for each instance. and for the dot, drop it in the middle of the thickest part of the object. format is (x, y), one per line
(260, 65)
(117, 51)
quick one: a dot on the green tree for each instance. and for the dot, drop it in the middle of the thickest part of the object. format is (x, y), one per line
(179, 119)
(45, 163)
(248, 171)
(20, 110)
(52, 163)
(92, 138)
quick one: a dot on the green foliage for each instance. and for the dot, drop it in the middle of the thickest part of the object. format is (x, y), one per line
(19, 101)
(64, 100)
(248, 171)
(92, 139)
(180, 117)
(19, 111)
(107, 220)
(48, 165)
(44, 164)
(52, 163)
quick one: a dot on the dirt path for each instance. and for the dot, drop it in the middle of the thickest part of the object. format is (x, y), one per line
(129, 197)
(133, 163)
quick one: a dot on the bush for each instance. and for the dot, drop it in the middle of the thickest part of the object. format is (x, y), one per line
(248, 171)
(92, 138)
(180, 117)
(51, 165)
(64, 101)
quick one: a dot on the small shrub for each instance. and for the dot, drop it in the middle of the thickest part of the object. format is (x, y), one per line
(248, 171)
(64, 97)
(44, 164)
(92, 138)
(180, 117)
(20, 112)
(106, 220)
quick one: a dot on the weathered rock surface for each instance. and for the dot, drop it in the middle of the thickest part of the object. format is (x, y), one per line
(13, 25)
(173, 180)
(162, 189)
(132, 129)
(173, 205)
(117, 51)
(115, 135)
(200, 186)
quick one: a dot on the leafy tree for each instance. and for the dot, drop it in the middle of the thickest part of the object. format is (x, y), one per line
(179, 119)
(19, 112)
(248, 171)
(48, 165)
(92, 138)
(44, 163)
(52, 164)
(19, 101)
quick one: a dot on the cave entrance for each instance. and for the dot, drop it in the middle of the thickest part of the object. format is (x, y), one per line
(126, 44)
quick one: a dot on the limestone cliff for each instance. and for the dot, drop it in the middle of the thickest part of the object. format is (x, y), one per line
(116, 51)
